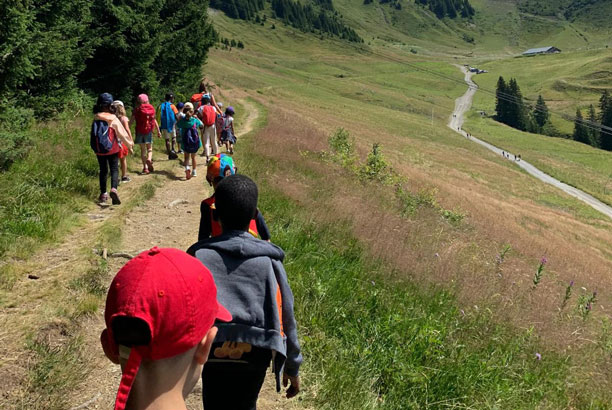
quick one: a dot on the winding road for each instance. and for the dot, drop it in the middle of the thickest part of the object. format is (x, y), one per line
(464, 103)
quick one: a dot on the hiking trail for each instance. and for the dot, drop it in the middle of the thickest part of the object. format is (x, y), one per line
(463, 105)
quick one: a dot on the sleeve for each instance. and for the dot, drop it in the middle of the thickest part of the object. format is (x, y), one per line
(205, 223)
(262, 228)
(200, 123)
(174, 110)
(294, 354)
(121, 132)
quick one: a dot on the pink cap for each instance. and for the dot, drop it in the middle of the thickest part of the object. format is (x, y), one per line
(143, 99)
(175, 294)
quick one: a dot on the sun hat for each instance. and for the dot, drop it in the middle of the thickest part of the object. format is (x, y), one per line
(118, 102)
(220, 166)
(189, 106)
(143, 99)
(174, 294)
(180, 105)
(206, 98)
(220, 104)
(230, 110)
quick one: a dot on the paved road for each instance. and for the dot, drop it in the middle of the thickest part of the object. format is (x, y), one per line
(464, 103)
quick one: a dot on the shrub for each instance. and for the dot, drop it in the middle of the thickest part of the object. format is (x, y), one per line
(15, 124)
(376, 166)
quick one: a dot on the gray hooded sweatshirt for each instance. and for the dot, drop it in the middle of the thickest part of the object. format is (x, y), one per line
(252, 284)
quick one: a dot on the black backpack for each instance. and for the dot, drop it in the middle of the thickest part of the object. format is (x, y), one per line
(102, 138)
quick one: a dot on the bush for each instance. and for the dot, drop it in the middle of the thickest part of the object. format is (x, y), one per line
(376, 166)
(343, 146)
(15, 124)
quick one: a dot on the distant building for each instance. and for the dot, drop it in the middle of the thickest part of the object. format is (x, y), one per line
(542, 50)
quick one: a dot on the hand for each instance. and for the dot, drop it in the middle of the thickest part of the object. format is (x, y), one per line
(294, 389)
(159, 135)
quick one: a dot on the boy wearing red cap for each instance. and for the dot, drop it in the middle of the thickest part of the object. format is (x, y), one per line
(160, 312)
(253, 284)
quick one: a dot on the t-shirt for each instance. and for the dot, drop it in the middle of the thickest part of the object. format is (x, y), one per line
(185, 124)
(227, 122)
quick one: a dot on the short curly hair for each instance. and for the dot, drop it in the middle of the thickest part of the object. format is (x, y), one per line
(236, 202)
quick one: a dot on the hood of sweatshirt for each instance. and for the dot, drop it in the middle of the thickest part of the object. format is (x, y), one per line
(240, 244)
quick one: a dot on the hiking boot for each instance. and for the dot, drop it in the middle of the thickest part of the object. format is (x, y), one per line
(194, 173)
(125, 179)
(115, 196)
(150, 165)
(187, 173)
(103, 198)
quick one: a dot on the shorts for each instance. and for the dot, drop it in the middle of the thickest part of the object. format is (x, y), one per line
(144, 138)
(125, 151)
(169, 135)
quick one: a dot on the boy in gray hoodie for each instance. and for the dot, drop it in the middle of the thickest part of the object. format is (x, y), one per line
(252, 284)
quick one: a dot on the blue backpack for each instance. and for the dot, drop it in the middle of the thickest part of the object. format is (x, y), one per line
(191, 140)
(102, 138)
(168, 118)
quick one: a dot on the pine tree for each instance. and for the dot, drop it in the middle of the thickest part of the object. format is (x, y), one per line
(593, 127)
(606, 126)
(500, 100)
(540, 113)
(517, 116)
(581, 133)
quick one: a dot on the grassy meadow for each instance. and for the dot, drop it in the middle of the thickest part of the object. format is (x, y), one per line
(414, 269)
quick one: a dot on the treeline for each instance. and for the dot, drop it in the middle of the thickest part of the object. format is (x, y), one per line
(441, 8)
(596, 128)
(510, 107)
(50, 51)
(318, 15)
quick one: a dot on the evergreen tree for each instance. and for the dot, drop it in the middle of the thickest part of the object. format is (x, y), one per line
(540, 113)
(581, 133)
(517, 117)
(605, 137)
(594, 127)
(500, 100)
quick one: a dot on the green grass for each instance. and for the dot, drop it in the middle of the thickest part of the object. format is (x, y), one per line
(576, 164)
(374, 341)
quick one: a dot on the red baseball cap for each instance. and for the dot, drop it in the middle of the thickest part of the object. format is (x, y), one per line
(174, 294)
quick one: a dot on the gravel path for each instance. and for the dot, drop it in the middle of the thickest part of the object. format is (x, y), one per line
(464, 103)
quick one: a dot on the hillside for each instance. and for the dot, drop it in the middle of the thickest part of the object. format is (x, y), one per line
(428, 271)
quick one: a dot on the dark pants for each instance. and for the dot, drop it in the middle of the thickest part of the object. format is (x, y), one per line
(106, 162)
(234, 384)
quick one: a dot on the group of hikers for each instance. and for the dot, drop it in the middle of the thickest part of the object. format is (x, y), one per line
(186, 127)
(224, 308)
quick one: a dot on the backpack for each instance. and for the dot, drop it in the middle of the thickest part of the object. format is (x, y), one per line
(102, 138)
(168, 119)
(196, 100)
(219, 123)
(215, 226)
(191, 139)
(145, 115)
(209, 115)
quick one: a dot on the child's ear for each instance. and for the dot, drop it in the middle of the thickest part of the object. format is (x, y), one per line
(203, 349)
(112, 355)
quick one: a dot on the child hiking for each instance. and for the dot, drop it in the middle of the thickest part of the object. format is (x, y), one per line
(190, 139)
(126, 146)
(106, 132)
(253, 284)
(208, 115)
(160, 318)
(219, 167)
(144, 114)
(168, 113)
(228, 137)
(196, 99)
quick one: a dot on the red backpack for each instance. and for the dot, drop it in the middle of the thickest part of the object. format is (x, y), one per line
(145, 117)
(196, 100)
(209, 115)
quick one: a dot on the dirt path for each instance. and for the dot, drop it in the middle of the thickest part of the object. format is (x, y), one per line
(156, 223)
(464, 103)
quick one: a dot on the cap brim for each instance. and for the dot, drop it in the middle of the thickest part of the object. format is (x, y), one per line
(223, 314)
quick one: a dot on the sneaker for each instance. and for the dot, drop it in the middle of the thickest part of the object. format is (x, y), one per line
(194, 173)
(125, 179)
(115, 196)
(187, 173)
(103, 198)
(172, 155)
(145, 171)
(180, 151)
(150, 166)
